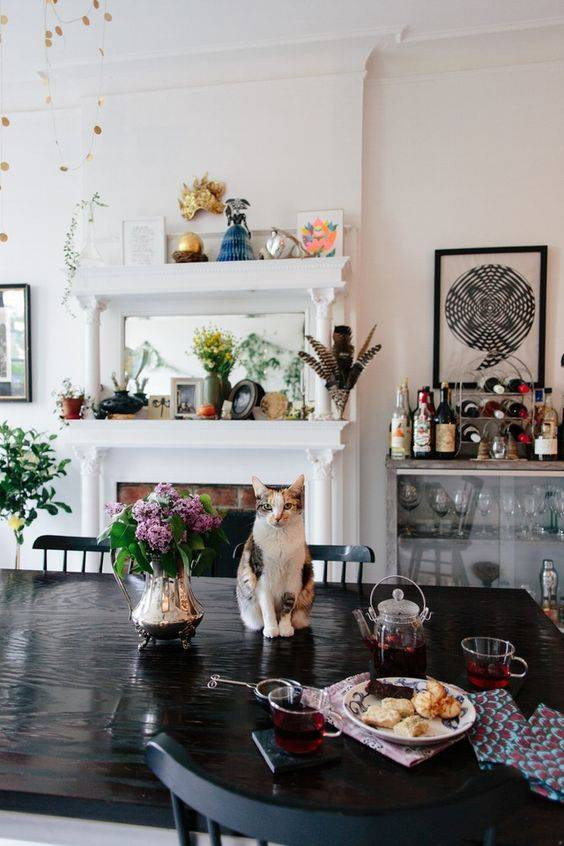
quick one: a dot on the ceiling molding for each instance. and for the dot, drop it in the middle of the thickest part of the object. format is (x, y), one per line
(482, 29)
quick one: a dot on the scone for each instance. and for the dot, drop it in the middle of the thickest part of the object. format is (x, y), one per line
(379, 717)
(449, 708)
(402, 706)
(411, 727)
(435, 689)
(425, 705)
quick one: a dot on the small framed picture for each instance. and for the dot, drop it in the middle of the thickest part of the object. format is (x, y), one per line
(321, 233)
(159, 407)
(143, 241)
(185, 397)
(15, 344)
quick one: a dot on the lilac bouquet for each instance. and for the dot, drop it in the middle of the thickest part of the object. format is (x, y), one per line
(172, 528)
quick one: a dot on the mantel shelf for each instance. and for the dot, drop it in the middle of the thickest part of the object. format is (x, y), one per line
(208, 278)
(206, 434)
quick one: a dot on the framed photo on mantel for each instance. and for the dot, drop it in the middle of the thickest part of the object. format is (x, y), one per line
(490, 313)
(143, 241)
(15, 344)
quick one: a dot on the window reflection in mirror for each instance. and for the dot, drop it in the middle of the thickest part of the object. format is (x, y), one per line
(268, 346)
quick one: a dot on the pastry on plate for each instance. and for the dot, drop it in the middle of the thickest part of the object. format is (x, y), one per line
(402, 706)
(411, 727)
(379, 717)
(425, 705)
(449, 708)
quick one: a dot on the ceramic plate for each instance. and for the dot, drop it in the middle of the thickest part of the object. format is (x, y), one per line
(357, 701)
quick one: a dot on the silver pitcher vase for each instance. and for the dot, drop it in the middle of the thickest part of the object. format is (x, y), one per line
(167, 609)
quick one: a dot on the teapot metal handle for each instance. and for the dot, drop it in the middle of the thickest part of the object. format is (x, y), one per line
(425, 613)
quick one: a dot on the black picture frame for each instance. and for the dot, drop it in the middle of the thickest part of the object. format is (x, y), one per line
(7, 386)
(244, 396)
(439, 319)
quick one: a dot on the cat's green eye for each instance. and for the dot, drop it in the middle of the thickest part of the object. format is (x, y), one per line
(267, 506)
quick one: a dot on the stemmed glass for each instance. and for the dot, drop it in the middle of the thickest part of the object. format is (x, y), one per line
(541, 506)
(528, 507)
(461, 502)
(559, 507)
(409, 499)
(440, 502)
(551, 498)
(509, 506)
(484, 504)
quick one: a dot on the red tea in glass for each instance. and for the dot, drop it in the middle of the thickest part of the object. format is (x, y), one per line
(298, 714)
(488, 662)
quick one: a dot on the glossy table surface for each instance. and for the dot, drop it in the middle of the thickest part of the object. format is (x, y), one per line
(78, 702)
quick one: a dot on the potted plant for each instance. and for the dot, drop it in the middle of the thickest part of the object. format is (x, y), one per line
(169, 537)
(217, 351)
(28, 465)
(70, 401)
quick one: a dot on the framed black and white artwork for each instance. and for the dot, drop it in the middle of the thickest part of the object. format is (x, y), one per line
(15, 344)
(490, 313)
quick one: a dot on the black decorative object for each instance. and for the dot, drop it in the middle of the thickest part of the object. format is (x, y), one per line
(244, 397)
(122, 402)
(490, 301)
(15, 344)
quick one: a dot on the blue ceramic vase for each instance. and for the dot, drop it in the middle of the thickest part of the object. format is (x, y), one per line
(236, 243)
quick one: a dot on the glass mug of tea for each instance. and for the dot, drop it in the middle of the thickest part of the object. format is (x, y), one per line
(488, 662)
(299, 715)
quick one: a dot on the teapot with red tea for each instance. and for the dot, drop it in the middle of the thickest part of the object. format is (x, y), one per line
(393, 632)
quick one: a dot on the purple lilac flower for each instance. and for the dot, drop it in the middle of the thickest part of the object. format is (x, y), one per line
(156, 534)
(114, 509)
(194, 515)
(164, 490)
(145, 510)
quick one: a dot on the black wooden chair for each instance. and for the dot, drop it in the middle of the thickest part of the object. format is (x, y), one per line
(345, 554)
(69, 543)
(470, 812)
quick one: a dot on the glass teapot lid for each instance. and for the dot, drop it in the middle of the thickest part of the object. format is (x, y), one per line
(397, 609)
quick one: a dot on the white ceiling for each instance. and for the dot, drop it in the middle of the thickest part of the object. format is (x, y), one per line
(168, 27)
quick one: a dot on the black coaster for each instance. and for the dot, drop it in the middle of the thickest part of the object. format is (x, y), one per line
(280, 762)
(512, 688)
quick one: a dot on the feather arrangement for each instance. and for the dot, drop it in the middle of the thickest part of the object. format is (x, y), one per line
(337, 366)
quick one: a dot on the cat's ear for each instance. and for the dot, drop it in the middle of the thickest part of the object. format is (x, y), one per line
(297, 487)
(258, 487)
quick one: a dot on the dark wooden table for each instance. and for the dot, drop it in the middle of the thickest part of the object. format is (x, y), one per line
(78, 702)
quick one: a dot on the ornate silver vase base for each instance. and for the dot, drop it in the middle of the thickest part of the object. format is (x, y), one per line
(185, 635)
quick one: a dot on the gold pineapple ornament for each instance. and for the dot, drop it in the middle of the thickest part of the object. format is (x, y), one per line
(337, 366)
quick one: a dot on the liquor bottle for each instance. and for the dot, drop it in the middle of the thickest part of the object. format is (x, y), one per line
(409, 417)
(515, 409)
(445, 426)
(430, 399)
(548, 578)
(470, 434)
(546, 431)
(398, 428)
(469, 408)
(520, 434)
(492, 408)
(423, 428)
(492, 385)
(517, 386)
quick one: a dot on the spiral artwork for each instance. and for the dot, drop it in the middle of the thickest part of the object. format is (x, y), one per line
(491, 307)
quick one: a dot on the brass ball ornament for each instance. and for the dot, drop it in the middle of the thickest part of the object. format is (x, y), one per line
(190, 242)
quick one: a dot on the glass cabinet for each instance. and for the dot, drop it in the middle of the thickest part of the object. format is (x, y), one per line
(487, 524)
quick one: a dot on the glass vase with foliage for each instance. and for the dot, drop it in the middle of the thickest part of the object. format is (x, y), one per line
(28, 466)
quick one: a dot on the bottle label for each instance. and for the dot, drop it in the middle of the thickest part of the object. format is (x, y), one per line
(546, 446)
(422, 436)
(445, 437)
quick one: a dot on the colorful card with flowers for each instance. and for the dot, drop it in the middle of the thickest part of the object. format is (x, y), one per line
(321, 233)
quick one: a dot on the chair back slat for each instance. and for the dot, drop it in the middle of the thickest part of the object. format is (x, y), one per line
(326, 552)
(470, 812)
(71, 543)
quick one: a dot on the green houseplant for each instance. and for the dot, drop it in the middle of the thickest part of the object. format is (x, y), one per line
(28, 465)
(70, 402)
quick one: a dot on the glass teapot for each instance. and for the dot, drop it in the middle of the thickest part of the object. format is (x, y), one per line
(394, 633)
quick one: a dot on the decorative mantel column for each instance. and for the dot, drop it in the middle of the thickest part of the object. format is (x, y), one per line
(321, 499)
(90, 458)
(92, 307)
(323, 300)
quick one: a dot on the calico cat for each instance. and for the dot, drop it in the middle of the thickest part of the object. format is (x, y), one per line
(275, 577)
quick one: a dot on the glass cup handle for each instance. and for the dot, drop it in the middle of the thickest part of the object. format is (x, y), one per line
(525, 665)
(337, 721)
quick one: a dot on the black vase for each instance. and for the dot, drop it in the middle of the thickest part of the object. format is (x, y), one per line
(122, 402)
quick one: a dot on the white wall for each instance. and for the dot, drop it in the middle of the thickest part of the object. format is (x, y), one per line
(465, 159)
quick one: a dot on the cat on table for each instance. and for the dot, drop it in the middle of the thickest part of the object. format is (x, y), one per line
(275, 578)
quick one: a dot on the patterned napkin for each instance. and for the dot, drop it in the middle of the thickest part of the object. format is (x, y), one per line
(409, 756)
(502, 735)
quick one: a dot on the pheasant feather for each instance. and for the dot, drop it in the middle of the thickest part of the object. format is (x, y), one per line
(366, 344)
(325, 355)
(313, 363)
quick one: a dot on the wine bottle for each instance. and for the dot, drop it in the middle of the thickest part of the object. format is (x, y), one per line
(492, 408)
(445, 426)
(423, 428)
(492, 385)
(546, 431)
(517, 432)
(430, 399)
(515, 409)
(408, 416)
(470, 434)
(469, 408)
(398, 428)
(517, 386)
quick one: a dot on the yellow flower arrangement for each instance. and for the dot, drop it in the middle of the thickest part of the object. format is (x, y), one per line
(217, 350)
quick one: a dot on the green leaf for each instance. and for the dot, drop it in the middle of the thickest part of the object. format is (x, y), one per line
(52, 509)
(196, 541)
(120, 563)
(177, 526)
(206, 501)
(64, 507)
(186, 558)
(168, 563)
(203, 562)
(121, 534)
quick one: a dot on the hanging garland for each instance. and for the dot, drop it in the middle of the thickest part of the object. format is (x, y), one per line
(52, 29)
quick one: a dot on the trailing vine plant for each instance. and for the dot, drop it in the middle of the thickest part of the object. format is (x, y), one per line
(70, 253)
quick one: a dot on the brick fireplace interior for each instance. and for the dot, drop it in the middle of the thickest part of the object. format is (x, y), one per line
(237, 501)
